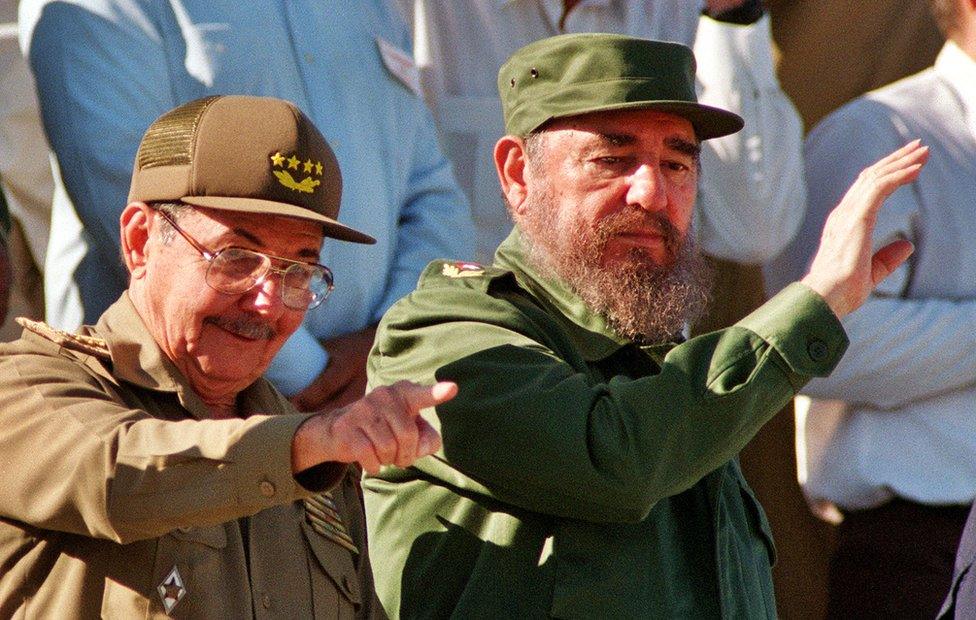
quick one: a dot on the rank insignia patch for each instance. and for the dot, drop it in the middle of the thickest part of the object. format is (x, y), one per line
(308, 184)
(171, 591)
(462, 270)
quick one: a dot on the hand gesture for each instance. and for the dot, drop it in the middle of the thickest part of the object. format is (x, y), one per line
(382, 428)
(844, 270)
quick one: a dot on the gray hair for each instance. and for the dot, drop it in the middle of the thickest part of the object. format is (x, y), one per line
(175, 210)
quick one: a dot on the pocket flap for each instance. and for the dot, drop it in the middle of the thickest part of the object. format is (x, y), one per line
(336, 561)
(213, 536)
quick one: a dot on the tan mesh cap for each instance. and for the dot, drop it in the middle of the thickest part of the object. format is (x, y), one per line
(239, 153)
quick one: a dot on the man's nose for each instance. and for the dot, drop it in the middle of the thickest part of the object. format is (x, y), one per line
(266, 292)
(646, 189)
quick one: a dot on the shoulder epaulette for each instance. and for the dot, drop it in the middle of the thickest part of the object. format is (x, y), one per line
(76, 342)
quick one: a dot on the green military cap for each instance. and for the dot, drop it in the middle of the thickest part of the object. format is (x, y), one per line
(575, 74)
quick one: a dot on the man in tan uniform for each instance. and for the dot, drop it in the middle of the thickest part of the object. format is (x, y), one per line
(149, 470)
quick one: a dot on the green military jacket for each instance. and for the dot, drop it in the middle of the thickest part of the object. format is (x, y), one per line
(581, 475)
(121, 500)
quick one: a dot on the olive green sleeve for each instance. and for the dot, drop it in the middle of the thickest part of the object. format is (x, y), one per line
(77, 460)
(533, 429)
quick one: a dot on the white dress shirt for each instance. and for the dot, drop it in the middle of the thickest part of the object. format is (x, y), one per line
(909, 376)
(751, 198)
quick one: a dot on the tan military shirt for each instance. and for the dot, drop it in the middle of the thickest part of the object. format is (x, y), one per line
(120, 499)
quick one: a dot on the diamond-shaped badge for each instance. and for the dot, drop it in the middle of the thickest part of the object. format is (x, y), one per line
(171, 591)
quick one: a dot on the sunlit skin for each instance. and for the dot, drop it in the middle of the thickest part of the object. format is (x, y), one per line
(595, 165)
(189, 320)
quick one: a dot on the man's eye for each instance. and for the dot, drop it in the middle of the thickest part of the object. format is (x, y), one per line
(676, 166)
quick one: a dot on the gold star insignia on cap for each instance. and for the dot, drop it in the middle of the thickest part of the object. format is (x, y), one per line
(293, 162)
(318, 168)
(278, 160)
(307, 165)
(171, 591)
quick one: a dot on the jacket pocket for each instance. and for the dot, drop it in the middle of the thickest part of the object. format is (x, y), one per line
(337, 570)
(189, 565)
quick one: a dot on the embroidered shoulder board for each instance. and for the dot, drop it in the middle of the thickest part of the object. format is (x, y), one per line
(462, 270)
(76, 342)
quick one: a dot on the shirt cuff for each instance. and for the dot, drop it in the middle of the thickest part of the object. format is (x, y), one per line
(802, 328)
(262, 459)
(299, 362)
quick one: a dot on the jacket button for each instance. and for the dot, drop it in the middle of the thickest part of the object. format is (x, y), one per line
(266, 601)
(818, 350)
(267, 489)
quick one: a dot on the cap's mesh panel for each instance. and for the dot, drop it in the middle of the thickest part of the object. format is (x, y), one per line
(169, 140)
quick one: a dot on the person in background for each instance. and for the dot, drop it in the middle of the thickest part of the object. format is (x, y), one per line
(900, 460)
(25, 178)
(588, 465)
(346, 65)
(149, 469)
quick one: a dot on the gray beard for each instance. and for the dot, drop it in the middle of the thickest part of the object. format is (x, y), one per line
(641, 300)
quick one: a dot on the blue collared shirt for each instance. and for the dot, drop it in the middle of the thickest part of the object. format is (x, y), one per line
(106, 68)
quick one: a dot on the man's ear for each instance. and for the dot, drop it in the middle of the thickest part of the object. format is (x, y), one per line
(510, 162)
(134, 232)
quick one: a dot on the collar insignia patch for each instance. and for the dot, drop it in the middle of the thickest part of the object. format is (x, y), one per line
(171, 591)
(308, 167)
(462, 270)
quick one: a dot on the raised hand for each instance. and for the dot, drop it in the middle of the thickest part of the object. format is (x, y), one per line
(382, 428)
(845, 270)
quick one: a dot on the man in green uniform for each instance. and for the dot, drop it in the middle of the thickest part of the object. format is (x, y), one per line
(588, 466)
(148, 469)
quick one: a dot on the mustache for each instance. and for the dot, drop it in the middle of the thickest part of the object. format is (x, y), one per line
(637, 220)
(252, 329)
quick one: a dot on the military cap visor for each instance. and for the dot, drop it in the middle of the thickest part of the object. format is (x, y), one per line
(575, 74)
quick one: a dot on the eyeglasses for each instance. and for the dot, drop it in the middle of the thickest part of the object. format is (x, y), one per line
(234, 270)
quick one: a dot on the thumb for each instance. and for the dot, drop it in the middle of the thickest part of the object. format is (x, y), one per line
(428, 440)
(889, 258)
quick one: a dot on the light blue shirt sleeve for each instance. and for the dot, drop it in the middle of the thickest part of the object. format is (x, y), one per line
(96, 101)
(903, 349)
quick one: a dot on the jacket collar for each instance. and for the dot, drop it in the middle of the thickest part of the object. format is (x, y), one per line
(589, 330)
(137, 359)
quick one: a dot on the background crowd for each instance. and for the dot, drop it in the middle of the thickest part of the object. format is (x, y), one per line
(405, 94)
